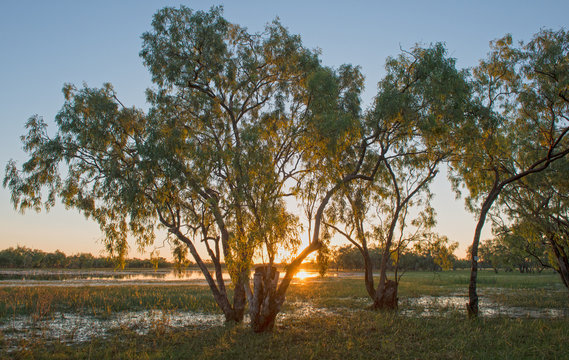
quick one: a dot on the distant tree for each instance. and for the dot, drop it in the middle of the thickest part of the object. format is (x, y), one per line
(439, 249)
(494, 254)
(517, 126)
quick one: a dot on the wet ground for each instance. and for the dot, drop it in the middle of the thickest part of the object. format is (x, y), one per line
(428, 306)
(74, 328)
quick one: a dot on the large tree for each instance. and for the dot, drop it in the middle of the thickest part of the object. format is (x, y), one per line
(335, 151)
(420, 97)
(517, 126)
(210, 160)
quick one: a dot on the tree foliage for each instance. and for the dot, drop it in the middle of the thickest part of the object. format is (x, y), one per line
(210, 160)
(420, 98)
(517, 124)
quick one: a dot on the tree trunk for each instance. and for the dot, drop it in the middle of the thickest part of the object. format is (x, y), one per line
(386, 294)
(239, 297)
(219, 296)
(472, 305)
(370, 287)
(562, 262)
(264, 305)
(387, 300)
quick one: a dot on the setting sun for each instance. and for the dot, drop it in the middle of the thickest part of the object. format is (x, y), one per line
(301, 275)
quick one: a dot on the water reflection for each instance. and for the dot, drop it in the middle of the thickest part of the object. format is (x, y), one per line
(429, 306)
(97, 277)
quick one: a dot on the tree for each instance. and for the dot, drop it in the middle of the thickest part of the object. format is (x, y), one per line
(517, 125)
(494, 254)
(539, 209)
(439, 249)
(208, 162)
(421, 94)
(334, 150)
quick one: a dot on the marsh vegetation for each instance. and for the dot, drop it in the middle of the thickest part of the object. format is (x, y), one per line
(323, 318)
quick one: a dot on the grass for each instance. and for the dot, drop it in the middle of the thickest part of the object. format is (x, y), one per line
(103, 300)
(348, 332)
(353, 335)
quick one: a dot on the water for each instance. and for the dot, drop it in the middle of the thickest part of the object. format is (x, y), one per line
(79, 277)
(432, 306)
(43, 277)
(77, 328)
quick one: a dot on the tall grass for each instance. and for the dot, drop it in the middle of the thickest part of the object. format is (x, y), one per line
(103, 301)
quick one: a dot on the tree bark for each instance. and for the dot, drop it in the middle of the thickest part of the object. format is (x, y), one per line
(220, 297)
(562, 262)
(264, 305)
(370, 287)
(388, 299)
(472, 305)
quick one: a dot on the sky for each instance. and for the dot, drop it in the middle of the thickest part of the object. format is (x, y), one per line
(45, 44)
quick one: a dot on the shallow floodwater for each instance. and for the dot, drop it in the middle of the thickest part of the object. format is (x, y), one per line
(430, 306)
(42, 277)
(79, 277)
(76, 328)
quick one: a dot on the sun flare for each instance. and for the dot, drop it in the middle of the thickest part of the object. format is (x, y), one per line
(301, 275)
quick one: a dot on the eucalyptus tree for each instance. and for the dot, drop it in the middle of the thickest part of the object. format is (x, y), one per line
(517, 126)
(336, 150)
(538, 208)
(210, 160)
(421, 95)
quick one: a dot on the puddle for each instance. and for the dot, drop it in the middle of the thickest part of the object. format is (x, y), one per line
(429, 306)
(76, 328)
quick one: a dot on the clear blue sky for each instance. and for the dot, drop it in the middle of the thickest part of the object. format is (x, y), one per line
(44, 44)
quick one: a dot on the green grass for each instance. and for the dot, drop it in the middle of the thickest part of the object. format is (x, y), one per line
(103, 300)
(351, 335)
(350, 331)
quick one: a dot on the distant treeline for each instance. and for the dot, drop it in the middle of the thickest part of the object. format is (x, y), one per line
(349, 258)
(26, 258)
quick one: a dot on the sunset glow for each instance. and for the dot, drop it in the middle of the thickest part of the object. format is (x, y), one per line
(301, 275)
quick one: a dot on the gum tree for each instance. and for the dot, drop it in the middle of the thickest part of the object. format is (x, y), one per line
(517, 125)
(208, 162)
(421, 95)
(335, 151)
(538, 208)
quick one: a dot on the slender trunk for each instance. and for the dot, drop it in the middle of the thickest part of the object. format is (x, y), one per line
(368, 264)
(386, 294)
(562, 262)
(219, 297)
(240, 296)
(472, 305)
